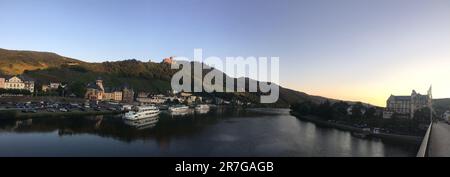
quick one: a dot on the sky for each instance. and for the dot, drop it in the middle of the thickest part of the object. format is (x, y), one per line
(358, 50)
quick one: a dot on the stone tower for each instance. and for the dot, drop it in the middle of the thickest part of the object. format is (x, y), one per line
(99, 83)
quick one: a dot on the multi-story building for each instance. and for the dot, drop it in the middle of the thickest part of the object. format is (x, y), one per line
(113, 95)
(17, 82)
(2, 82)
(54, 85)
(14, 83)
(51, 86)
(155, 99)
(95, 91)
(117, 95)
(406, 106)
(127, 95)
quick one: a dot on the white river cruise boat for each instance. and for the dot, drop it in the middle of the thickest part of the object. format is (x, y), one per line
(179, 108)
(141, 112)
(202, 107)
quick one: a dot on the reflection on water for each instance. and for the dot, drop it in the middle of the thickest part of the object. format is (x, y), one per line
(220, 132)
(142, 123)
(202, 111)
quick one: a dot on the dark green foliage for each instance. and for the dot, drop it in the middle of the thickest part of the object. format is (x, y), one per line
(357, 110)
(340, 108)
(422, 116)
(305, 108)
(15, 91)
(338, 112)
(441, 105)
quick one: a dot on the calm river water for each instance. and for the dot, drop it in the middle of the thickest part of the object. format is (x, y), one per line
(217, 133)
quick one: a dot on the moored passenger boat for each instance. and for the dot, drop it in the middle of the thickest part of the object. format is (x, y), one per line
(178, 108)
(141, 112)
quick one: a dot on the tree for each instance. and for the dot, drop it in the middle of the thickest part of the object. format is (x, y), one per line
(15, 91)
(370, 113)
(357, 110)
(325, 110)
(304, 108)
(422, 116)
(60, 91)
(340, 108)
(77, 88)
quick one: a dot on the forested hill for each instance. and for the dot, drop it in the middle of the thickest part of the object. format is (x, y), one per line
(13, 62)
(141, 76)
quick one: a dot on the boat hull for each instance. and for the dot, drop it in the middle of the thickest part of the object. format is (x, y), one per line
(139, 116)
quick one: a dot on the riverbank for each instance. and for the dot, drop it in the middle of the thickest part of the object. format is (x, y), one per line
(384, 136)
(17, 114)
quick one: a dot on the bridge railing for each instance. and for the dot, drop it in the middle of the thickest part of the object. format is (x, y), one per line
(423, 150)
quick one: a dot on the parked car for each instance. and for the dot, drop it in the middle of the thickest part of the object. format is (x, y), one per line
(366, 129)
(377, 130)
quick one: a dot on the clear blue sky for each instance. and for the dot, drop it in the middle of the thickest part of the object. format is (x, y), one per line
(348, 49)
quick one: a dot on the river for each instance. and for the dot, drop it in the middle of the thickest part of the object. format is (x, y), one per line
(217, 133)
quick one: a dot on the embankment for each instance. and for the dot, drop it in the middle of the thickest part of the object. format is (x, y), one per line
(383, 136)
(16, 114)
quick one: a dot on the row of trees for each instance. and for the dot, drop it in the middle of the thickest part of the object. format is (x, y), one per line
(135, 68)
(77, 88)
(337, 110)
(362, 115)
(14, 91)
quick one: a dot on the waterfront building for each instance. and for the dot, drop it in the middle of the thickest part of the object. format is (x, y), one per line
(14, 83)
(45, 88)
(127, 95)
(406, 106)
(17, 82)
(95, 91)
(2, 83)
(189, 98)
(54, 85)
(155, 99)
(117, 95)
(51, 86)
(113, 95)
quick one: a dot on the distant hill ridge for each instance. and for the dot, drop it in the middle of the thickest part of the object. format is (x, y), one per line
(13, 62)
(142, 76)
